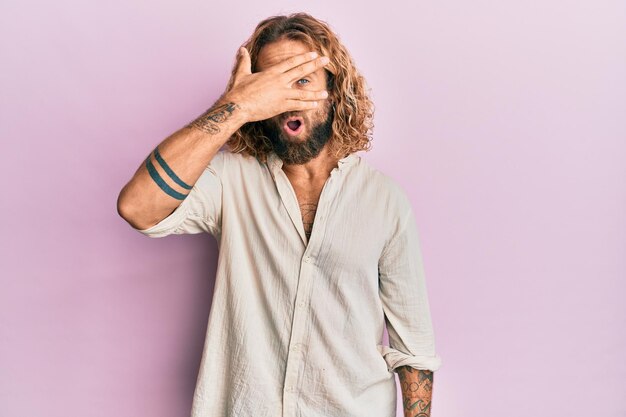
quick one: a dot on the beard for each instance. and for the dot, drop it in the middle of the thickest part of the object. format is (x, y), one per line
(300, 152)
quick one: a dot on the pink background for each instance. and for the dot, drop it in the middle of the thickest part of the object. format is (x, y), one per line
(504, 121)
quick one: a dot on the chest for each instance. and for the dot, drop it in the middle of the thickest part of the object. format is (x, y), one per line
(308, 196)
(351, 232)
(341, 223)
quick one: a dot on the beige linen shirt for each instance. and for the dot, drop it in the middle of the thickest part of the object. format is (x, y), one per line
(295, 327)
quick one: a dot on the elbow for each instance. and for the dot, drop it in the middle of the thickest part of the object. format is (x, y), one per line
(126, 210)
(134, 215)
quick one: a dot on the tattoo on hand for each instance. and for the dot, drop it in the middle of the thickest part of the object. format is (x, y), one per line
(417, 386)
(209, 120)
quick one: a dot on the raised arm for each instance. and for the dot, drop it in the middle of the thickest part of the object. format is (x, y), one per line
(165, 177)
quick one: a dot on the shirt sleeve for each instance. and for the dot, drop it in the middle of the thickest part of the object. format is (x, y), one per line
(402, 289)
(201, 210)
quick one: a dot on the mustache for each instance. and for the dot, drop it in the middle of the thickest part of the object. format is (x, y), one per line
(282, 118)
(288, 115)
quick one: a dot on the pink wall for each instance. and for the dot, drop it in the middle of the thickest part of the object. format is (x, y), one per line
(503, 120)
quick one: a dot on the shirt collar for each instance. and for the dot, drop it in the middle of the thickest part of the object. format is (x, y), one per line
(274, 161)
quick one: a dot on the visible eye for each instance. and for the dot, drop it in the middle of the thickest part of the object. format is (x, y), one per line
(303, 79)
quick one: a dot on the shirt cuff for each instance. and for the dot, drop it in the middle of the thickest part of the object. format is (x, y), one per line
(394, 359)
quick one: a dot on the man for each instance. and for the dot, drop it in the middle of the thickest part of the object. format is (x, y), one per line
(317, 250)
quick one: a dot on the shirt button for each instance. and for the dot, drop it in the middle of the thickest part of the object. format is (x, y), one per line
(296, 347)
(301, 303)
(307, 259)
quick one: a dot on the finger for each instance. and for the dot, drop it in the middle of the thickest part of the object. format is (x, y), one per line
(306, 69)
(293, 62)
(295, 105)
(307, 95)
(244, 66)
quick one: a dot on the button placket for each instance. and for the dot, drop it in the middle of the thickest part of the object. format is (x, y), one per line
(295, 354)
(296, 347)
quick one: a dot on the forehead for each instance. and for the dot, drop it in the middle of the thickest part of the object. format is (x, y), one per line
(278, 51)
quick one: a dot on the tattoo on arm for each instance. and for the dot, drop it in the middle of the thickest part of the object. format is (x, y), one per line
(209, 120)
(154, 174)
(417, 387)
(169, 171)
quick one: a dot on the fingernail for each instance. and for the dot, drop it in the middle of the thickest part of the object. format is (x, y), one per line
(313, 54)
(325, 60)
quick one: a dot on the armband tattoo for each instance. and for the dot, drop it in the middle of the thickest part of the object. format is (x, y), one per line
(162, 184)
(169, 171)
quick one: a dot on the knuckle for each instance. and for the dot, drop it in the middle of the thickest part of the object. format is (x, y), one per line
(323, 61)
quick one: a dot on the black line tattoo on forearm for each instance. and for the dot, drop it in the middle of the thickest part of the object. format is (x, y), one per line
(209, 120)
(169, 171)
(161, 183)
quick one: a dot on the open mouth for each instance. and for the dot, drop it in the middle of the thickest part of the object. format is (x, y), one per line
(293, 125)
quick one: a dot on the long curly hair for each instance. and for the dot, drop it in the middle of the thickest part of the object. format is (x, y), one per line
(353, 110)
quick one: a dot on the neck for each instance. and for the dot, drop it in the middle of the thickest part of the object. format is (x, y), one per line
(317, 168)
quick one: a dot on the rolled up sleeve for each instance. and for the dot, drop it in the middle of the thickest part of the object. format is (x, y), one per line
(402, 289)
(201, 210)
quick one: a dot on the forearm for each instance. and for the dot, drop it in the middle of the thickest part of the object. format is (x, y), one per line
(153, 193)
(158, 188)
(417, 388)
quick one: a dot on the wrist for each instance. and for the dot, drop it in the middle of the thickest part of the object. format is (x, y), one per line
(221, 120)
(240, 112)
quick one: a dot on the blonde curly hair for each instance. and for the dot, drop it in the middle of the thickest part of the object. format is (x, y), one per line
(354, 111)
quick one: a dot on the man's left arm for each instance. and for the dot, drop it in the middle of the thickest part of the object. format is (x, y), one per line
(402, 289)
(417, 390)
